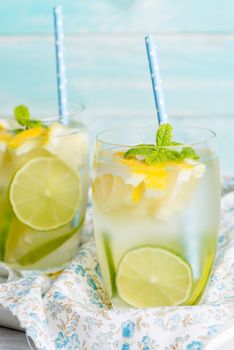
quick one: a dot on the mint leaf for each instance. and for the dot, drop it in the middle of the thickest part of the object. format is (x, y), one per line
(34, 123)
(164, 135)
(155, 157)
(174, 143)
(172, 155)
(188, 152)
(162, 155)
(22, 115)
(17, 131)
(140, 150)
(161, 152)
(146, 145)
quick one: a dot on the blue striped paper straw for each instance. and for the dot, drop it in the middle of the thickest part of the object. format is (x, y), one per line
(156, 79)
(60, 64)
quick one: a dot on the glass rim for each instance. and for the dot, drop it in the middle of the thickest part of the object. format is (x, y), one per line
(211, 133)
(74, 107)
(75, 110)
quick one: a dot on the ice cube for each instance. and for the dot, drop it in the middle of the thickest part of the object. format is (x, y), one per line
(181, 186)
(68, 145)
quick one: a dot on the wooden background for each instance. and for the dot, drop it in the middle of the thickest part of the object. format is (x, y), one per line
(106, 61)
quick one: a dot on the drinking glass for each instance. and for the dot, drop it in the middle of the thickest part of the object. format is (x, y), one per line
(43, 191)
(156, 226)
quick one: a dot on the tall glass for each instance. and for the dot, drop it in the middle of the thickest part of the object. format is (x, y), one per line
(156, 226)
(43, 191)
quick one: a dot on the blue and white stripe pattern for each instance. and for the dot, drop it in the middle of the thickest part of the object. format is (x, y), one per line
(60, 63)
(156, 79)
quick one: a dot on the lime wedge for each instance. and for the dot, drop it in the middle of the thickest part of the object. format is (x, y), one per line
(151, 277)
(110, 261)
(26, 248)
(43, 250)
(4, 230)
(45, 193)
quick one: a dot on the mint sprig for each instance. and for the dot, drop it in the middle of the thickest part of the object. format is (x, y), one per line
(23, 117)
(155, 154)
(164, 135)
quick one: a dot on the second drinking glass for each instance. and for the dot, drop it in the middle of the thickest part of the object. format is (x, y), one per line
(43, 190)
(156, 213)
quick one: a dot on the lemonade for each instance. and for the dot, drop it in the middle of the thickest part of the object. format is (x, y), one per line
(156, 214)
(43, 190)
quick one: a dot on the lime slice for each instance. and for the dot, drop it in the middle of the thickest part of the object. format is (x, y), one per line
(45, 193)
(26, 140)
(150, 277)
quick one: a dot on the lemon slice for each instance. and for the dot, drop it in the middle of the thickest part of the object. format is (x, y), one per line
(45, 193)
(27, 140)
(155, 176)
(151, 277)
(112, 193)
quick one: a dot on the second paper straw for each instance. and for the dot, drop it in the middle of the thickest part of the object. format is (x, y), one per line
(156, 79)
(60, 64)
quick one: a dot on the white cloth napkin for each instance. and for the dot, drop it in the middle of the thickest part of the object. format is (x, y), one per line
(73, 312)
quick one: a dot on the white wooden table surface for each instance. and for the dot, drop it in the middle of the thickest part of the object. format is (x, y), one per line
(12, 340)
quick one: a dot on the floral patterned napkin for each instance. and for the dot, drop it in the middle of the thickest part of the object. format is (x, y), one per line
(73, 312)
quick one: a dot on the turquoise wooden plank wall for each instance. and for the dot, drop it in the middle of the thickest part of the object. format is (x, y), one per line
(31, 16)
(106, 55)
(107, 68)
(109, 74)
